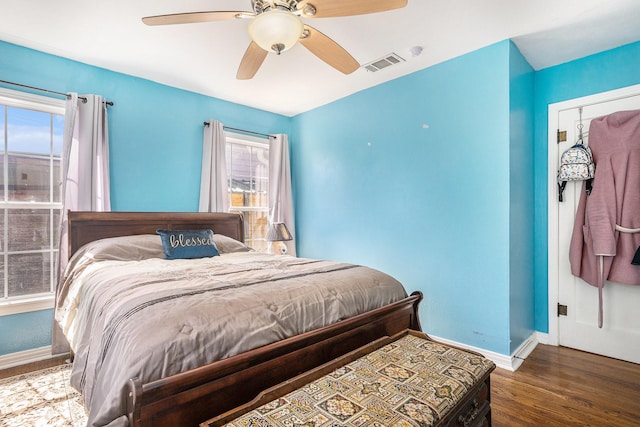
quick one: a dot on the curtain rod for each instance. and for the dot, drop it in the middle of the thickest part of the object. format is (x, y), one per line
(66, 95)
(243, 130)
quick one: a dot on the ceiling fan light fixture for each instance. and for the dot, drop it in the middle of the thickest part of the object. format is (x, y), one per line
(276, 30)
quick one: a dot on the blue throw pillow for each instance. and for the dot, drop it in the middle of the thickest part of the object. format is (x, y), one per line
(179, 244)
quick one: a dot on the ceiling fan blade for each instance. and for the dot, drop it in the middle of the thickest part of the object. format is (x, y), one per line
(329, 8)
(329, 51)
(193, 17)
(251, 62)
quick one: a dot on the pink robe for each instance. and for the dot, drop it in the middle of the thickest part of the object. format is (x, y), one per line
(599, 250)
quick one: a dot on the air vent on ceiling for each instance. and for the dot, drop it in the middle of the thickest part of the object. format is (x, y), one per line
(386, 61)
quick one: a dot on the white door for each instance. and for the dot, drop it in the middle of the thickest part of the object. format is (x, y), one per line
(620, 335)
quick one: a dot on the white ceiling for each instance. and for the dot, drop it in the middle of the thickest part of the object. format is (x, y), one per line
(204, 57)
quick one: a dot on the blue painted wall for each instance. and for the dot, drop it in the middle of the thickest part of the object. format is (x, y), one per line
(155, 131)
(155, 145)
(25, 331)
(442, 206)
(606, 71)
(521, 231)
(413, 177)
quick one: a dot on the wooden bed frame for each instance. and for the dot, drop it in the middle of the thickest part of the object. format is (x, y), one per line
(189, 398)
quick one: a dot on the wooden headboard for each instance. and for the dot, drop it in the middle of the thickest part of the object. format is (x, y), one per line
(85, 227)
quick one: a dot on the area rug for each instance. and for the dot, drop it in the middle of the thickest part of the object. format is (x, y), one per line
(41, 398)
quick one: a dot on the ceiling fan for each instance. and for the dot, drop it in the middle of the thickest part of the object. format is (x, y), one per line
(276, 26)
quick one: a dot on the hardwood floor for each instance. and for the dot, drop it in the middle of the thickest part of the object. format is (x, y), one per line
(555, 386)
(558, 386)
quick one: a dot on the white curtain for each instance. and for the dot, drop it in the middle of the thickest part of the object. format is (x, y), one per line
(213, 180)
(280, 193)
(85, 172)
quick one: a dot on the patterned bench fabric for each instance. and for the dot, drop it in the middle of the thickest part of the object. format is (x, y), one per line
(410, 382)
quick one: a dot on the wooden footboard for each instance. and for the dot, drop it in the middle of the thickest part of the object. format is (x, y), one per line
(189, 398)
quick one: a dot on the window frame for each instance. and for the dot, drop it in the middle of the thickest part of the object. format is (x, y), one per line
(251, 141)
(43, 300)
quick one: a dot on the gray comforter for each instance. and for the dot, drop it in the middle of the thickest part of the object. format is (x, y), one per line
(154, 318)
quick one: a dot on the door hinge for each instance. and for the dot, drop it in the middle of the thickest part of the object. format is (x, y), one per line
(562, 310)
(562, 136)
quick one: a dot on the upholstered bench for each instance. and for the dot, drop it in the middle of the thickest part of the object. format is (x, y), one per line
(404, 380)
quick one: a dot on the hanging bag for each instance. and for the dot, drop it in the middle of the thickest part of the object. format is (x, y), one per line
(576, 164)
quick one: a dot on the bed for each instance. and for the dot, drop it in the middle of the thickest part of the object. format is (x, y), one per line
(131, 337)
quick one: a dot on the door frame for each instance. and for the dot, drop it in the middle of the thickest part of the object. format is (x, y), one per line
(552, 192)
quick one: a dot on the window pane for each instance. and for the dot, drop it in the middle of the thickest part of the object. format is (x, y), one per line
(248, 169)
(260, 172)
(56, 228)
(2, 295)
(29, 274)
(28, 131)
(2, 151)
(57, 180)
(255, 229)
(28, 178)
(2, 159)
(58, 132)
(29, 229)
(2, 248)
(2, 111)
(239, 173)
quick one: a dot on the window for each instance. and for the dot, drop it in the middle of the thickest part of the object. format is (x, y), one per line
(31, 132)
(248, 171)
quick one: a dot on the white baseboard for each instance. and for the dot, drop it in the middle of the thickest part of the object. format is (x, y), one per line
(24, 357)
(511, 363)
(543, 338)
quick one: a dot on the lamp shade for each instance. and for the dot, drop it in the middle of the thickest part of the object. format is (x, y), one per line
(278, 232)
(276, 30)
